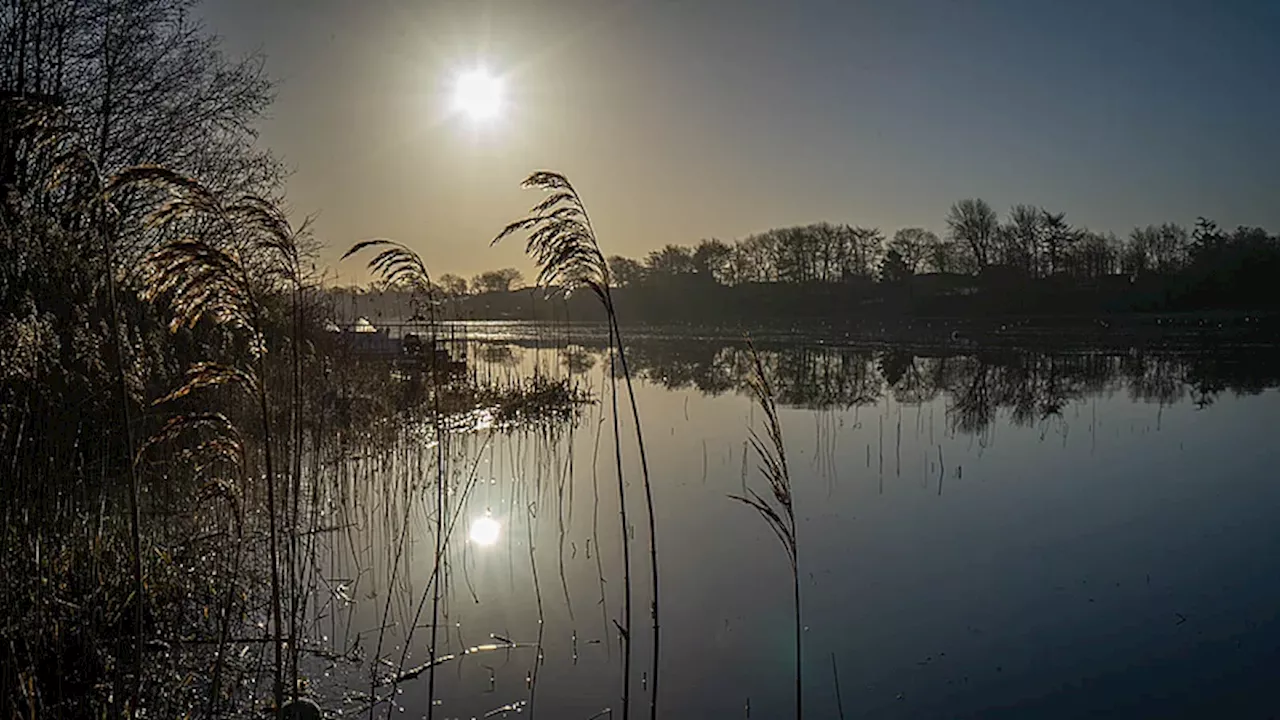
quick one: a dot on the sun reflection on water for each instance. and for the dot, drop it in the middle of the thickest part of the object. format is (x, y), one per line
(485, 531)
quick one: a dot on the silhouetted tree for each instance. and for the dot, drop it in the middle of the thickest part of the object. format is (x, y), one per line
(973, 225)
(142, 81)
(1057, 237)
(865, 246)
(497, 281)
(711, 259)
(894, 268)
(1021, 238)
(752, 259)
(1096, 254)
(913, 246)
(453, 285)
(625, 271)
(1206, 241)
(1153, 248)
(671, 260)
(942, 255)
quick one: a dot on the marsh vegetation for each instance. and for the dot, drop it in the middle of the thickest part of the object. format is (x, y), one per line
(227, 491)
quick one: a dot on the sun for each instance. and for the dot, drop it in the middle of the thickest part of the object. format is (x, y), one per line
(478, 94)
(485, 531)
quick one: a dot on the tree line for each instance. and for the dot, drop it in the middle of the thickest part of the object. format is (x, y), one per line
(1031, 261)
(1029, 242)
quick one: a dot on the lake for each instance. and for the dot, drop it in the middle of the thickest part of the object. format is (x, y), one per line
(982, 531)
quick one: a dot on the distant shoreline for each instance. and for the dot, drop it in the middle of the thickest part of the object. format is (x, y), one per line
(1175, 330)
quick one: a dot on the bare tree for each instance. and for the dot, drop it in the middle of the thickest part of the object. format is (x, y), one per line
(1057, 237)
(1156, 248)
(973, 224)
(942, 255)
(750, 260)
(1095, 255)
(1022, 238)
(913, 246)
(865, 248)
(138, 82)
(497, 281)
(453, 285)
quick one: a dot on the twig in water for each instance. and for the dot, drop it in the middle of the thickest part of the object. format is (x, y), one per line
(835, 674)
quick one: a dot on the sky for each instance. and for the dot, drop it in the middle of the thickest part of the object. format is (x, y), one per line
(687, 119)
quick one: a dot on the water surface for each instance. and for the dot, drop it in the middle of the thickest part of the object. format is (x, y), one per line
(983, 532)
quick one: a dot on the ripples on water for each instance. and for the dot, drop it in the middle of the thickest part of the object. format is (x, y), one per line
(983, 532)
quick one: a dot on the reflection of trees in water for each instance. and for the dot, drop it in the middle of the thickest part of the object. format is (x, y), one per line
(1032, 387)
(707, 366)
(1029, 387)
(1153, 379)
(577, 359)
(506, 355)
(814, 377)
(973, 403)
(910, 378)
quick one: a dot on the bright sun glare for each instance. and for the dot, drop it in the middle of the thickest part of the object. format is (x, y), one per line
(485, 531)
(478, 94)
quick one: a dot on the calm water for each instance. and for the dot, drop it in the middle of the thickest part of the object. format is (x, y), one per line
(982, 532)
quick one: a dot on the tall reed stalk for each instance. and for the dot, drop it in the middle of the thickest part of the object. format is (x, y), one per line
(285, 264)
(563, 242)
(777, 509)
(78, 173)
(397, 265)
(106, 215)
(222, 272)
(221, 446)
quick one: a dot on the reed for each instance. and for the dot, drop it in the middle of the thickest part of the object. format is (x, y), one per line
(777, 507)
(563, 243)
(396, 264)
(220, 448)
(222, 272)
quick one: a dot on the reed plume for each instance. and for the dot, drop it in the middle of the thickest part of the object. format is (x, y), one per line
(397, 265)
(563, 243)
(221, 272)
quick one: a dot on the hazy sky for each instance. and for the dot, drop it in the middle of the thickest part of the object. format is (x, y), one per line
(684, 119)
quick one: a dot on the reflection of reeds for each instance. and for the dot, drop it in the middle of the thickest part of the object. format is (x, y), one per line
(562, 241)
(778, 509)
(397, 265)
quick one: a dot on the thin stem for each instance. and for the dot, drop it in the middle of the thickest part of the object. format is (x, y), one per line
(228, 606)
(795, 584)
(440, 514)
(648, 497)
(297, 480)
(135, 515)
(626, 541)
(835, 675)
(264, 408)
